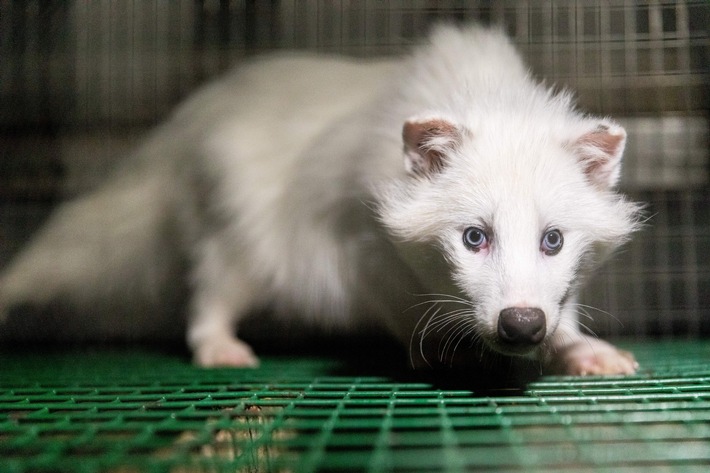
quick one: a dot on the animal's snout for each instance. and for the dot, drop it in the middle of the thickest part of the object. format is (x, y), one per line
(521, 326)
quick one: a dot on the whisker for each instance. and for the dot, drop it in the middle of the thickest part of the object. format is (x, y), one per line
(441, 300)
(424, 331)
(464, 335)
(588, 340)
(588, 329)
(448, 297)
(450, 336)
(448, 317)
(416, 331)
(450, 326)
(574, 326)
(579, 310)
(608, 314)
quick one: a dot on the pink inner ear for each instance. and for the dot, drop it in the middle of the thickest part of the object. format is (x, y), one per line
(600, 152)
(604, 141)
(417, 134)
(425, 142)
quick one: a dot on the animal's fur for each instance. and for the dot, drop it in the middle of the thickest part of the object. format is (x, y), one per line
(339, 190)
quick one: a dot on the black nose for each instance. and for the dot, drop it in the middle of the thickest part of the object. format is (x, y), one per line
(521, 325)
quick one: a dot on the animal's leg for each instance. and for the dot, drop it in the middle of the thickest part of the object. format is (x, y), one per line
(212, 338)
(222, 295)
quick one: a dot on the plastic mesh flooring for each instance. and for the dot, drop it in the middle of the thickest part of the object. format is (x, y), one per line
(135, 411)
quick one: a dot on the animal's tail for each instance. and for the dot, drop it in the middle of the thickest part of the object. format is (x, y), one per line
(93, 247)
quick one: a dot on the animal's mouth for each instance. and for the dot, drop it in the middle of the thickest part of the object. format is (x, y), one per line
(512, 350)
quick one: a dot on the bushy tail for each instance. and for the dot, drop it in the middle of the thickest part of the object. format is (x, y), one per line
(91, 248)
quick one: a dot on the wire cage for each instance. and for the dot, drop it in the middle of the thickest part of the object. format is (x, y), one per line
(82, 81)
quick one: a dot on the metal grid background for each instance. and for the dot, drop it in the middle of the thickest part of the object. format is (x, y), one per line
(80, 81)
(115, 412)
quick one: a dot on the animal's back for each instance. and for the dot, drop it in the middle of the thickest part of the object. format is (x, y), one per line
(233, 156)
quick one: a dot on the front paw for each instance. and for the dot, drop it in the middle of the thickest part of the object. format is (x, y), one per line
(227, 352)
(592, 357)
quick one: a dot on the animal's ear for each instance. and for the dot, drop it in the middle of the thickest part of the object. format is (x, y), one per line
(426, 142)
(599, 151)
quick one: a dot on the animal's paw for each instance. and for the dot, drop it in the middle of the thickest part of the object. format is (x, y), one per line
(593, 357)
(228, 352)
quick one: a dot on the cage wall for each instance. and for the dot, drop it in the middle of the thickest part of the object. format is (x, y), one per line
(81, 81)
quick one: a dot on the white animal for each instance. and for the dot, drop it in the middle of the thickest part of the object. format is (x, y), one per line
(448, 198)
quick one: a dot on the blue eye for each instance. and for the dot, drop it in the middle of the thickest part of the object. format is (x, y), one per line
(475, 239)
(552, 242)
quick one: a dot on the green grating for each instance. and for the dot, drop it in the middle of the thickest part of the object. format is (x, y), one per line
(135, 411)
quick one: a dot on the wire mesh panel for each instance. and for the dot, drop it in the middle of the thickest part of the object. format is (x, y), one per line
(127, 62)
(136, 411)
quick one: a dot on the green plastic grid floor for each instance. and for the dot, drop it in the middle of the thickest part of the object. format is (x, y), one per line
(136, 411)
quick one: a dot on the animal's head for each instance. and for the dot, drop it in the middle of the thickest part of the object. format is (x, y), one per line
(520, 211)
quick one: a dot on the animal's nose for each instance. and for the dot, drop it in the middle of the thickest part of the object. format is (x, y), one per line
(521, 325)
